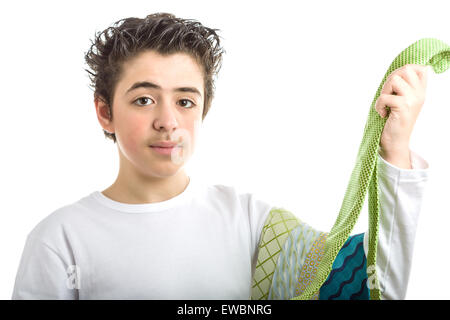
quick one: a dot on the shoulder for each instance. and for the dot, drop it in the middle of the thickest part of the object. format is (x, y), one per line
(219, 193)
(250, 204)
(229, 193)
(52, 228)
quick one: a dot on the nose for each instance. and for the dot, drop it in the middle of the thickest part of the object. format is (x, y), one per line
(165, 117)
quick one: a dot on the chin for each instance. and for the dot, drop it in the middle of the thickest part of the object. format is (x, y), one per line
(162, 171)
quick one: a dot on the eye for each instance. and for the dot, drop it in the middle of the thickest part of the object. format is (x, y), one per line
(188, 101)
(144, 100)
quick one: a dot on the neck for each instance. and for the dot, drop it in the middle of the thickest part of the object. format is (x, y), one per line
(134, 187)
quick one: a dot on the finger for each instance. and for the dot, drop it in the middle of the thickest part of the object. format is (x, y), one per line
(421, 70)
(396, 84)
(386, 101)
(407, 72)
(424, 74)
(411, 76)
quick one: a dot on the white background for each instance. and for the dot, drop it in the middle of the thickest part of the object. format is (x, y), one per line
(291, 103)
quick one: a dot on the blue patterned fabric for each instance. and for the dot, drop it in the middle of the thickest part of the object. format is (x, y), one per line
(348, 277)
(290, 261)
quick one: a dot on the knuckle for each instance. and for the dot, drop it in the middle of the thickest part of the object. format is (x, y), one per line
(409, 67)
(409, 71)
(396, 78)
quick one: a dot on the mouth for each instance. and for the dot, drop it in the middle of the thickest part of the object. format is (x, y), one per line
(166, 144)
(165, 150)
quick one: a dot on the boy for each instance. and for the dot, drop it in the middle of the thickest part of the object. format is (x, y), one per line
(157, 233)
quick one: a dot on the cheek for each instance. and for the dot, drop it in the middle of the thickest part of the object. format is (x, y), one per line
(132, 131)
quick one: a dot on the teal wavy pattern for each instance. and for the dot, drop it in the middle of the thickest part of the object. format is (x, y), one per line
(348, 277)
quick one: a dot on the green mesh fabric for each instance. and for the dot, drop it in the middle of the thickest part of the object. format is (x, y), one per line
(427, 51)
(287, 257)
(276, 230)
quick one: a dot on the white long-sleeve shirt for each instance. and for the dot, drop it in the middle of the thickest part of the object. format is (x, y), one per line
(200, 244)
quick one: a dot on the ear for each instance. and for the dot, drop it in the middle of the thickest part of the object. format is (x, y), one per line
(103, 114)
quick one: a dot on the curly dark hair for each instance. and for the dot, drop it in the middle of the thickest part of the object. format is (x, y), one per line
(162, 32)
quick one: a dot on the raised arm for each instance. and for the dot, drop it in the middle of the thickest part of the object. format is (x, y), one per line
(290, 250)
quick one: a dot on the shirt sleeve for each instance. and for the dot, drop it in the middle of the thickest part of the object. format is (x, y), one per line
(44, 275)
(401, 193)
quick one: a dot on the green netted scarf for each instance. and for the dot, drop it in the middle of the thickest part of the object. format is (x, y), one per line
(297, 262)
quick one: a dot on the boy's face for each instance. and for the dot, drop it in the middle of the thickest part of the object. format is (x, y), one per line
(157, 98)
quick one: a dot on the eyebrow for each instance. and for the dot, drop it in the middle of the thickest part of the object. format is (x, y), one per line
(147, 84)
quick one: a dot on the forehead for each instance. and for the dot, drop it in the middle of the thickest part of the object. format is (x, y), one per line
(173, 70)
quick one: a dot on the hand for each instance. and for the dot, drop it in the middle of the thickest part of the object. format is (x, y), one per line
(404, 93)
